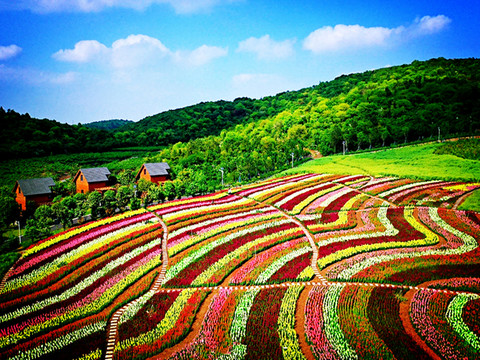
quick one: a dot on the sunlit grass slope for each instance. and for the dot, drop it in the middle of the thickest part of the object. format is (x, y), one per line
(416, 161)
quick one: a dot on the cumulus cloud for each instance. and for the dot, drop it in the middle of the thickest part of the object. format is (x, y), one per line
(430, 24)
(135, 51)
(327, 38)
(341, 37)
(7, 52)
(266, 48)
(48, 6)
(84, 51)
(201, 55)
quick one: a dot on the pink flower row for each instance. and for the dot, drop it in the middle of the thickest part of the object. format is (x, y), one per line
(78, 240)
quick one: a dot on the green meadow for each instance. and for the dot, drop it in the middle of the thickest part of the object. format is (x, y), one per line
(415, 161)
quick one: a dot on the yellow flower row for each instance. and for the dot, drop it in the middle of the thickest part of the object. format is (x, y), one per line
(79, 230)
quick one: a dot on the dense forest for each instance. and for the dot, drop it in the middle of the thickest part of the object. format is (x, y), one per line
(108, 124)
(24, 136)
(370, 109)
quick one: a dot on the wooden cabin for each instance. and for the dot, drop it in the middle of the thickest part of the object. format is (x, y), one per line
(154, 172)
(37, 190)
(88, 180)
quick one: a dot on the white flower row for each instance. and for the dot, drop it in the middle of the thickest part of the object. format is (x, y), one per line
(70, 256)
(81, 285)
(469, 244)
(407, 186)
(382, 217)
(277, 264)
(238, 328)
(333, 331)
(191, 258)
(60, 342)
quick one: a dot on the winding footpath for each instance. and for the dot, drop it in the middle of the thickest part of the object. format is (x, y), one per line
(113, 325)
(319, 280)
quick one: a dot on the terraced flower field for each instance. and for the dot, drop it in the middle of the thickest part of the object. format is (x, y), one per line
(300, 267)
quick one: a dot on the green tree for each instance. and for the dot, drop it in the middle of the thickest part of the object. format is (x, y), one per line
(94, 201)
(135, 203)
(37, 229)
(110, 202)
(169, 190)
(124, 194)
(9, 209)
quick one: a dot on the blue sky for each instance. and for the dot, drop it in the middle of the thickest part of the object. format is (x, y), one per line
(79, 61)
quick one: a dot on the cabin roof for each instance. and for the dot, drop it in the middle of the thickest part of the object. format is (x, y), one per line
(93, 175)
(157, 169)
(38, 186)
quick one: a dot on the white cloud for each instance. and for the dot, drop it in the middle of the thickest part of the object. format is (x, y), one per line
(84, 51)
(135, 51)
(430, 24)
(266, 48)
(327, 38)
(201, 55)
(7, 52)
(341, 37)
(49, 6)
(35, 77)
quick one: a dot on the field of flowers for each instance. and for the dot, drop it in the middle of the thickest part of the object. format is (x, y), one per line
(300, 267)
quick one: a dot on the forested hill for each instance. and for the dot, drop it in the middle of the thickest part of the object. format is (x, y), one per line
(371, 109)
(24, 136)
(108, 124)
(374, 108)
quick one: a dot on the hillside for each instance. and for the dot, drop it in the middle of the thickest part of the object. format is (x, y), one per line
(445, 161)
(108, 124)
(395, 104)
(24, 137)
(251, 138)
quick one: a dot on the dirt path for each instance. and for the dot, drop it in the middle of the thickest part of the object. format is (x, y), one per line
(112, 331)
(409, 329)
(300, 323)
(461, 199)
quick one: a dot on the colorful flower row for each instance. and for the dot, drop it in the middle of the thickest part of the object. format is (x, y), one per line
(57, 281)
(35, 248)
(173, 326)
(209, 231)
(70, 256)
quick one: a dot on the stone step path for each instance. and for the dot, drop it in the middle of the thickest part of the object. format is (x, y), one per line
(113, 325)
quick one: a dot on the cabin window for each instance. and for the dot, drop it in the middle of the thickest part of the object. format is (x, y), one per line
(19, 190)
(144, 171)
(81, 177)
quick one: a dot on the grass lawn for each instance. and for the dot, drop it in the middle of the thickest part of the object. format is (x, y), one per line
(416, 161)
(472, 202)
